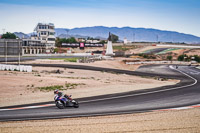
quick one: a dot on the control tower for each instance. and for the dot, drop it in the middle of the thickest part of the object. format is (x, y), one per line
(109, 50)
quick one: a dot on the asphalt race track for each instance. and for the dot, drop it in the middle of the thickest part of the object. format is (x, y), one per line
(185, 93)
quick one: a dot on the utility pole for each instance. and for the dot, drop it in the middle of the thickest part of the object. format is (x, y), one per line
(19, 53)
(3, 31)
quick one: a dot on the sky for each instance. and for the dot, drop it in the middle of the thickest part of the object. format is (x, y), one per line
(172, 15)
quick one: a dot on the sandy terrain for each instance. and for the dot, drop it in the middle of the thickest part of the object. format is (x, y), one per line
(193, 52)
(116, 63)
(181, 121)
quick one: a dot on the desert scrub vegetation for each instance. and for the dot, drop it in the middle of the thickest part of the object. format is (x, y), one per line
(78, 77)
(66, 59)
(72, 85)
(60, 87)
(147, 56)
(124, 47)
(50, 88)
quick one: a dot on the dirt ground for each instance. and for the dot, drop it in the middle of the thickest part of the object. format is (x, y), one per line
(22, 87)
(181, 121)
(193, 52)
(116, 63)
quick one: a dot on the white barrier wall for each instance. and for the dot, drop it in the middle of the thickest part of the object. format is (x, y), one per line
(20, 68)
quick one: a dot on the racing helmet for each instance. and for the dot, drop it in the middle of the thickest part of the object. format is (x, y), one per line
(56, 91)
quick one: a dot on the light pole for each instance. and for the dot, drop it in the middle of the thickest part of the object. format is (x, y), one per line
(6, 52)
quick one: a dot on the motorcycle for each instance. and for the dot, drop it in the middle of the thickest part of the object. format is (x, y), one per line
(65, 101)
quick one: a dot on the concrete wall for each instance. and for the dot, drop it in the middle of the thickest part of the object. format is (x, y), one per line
(21, 68)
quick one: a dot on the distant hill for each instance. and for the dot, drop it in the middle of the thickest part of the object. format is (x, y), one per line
(132, 34)
(21, 35)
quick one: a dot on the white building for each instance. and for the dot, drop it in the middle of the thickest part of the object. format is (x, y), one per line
(126, 41)
(46, 34)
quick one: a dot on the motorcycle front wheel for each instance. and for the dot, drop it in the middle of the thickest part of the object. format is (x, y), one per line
(76, 105)
(60, 105)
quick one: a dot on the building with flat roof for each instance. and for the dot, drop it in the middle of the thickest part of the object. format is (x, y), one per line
(42, 41)
(46, 34)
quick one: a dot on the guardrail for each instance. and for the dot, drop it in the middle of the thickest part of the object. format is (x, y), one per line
(21, 68)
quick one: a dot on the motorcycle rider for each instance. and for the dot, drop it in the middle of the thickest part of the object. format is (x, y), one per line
(60, 94)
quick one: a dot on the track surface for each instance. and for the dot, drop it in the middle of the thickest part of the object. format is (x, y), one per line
(154, 51)
(185, 93)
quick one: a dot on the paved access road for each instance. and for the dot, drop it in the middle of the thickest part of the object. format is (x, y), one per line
(185, 93)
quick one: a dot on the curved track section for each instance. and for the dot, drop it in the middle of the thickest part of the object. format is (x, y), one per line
(185, 93)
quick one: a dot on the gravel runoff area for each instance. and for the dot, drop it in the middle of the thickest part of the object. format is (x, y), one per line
(179, 121)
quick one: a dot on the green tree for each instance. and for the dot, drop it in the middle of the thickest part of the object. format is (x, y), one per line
(56, 50)
(196, 58)
(58, 42)
(114, 38)
(145, 56)
(71, 40)
(169, 57)
(102, 42)
(8, 35)
(181, 57)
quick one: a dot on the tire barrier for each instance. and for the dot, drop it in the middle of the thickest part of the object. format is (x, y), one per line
(21, 68)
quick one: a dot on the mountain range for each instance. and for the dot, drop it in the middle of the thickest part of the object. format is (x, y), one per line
(21, 35)
(132, 34)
